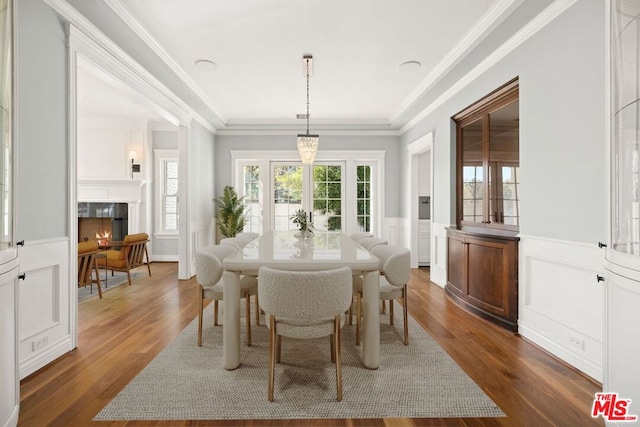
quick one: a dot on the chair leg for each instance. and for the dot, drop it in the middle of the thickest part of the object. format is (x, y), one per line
(97, 270)
(350, 314)
(332, 345)
(406, 316)
(129, 276)
(358, 316)
(384, 307)
(272, 355)
(200, 307)
(278, 347)
(338, 358)
(257, 311)
(247, 298)
(391, 312)
(215, 313)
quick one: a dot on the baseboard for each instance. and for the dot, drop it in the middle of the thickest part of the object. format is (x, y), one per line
(39, 360)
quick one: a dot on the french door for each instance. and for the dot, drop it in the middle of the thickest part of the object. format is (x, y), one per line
(319, 189)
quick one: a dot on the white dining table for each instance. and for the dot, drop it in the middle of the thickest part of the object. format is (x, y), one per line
(285, 250)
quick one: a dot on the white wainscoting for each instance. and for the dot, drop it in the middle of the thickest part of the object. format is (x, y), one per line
(438, 266)
(202, 234)
(393, 230)
(45, 328)
(561, 303)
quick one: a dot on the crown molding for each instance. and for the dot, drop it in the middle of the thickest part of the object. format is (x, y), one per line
(536, 24)
(487, 23)
(123, 12)
(89, 36)
(293, 133)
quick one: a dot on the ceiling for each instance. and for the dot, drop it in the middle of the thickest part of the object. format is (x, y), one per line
(357, 48)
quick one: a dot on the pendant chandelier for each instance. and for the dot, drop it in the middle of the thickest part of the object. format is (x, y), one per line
(307, 143)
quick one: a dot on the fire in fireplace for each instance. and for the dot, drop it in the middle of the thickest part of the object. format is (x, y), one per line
(104, 222)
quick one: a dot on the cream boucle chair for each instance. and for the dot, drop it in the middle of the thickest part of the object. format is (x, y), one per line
(371, 242)
(302, 305)
(248, 236)
(395, 269)
(236, 242)
(359, 235)
(209, 272)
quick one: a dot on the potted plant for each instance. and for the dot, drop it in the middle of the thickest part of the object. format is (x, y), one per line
(301, 218)
(231, 216)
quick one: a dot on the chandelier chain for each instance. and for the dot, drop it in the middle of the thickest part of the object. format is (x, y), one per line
(307, 97)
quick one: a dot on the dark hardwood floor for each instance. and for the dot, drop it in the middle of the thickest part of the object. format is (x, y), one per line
(123, 332)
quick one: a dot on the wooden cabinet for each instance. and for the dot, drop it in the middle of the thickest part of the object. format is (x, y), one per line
(483, 275)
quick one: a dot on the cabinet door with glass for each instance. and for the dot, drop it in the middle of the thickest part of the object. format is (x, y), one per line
(488, 162)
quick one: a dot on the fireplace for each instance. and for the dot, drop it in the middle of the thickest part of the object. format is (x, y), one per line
(105, 222)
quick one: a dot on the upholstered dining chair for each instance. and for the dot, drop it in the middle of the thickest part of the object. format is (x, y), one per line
(304, 304)
(371, 242)
(209, 271)
(395, 269)
(248, 236)
(359, 235)
(87, 264)
(236, 242)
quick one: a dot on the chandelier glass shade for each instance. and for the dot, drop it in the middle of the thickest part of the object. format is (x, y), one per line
(308, 147)
(307, 143)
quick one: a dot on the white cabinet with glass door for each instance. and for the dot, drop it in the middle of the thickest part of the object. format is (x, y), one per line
(9, 384)
(622, 316)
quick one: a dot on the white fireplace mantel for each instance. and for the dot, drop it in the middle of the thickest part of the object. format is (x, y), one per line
(117, 191)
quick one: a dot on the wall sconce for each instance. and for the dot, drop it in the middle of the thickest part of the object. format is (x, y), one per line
(134, 167)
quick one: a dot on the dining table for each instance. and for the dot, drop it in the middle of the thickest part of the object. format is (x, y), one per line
(295, 251)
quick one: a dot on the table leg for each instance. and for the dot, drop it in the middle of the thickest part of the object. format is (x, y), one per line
(231, 324)
(371, 320)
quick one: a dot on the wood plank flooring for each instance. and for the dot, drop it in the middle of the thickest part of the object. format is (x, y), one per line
(120, 334)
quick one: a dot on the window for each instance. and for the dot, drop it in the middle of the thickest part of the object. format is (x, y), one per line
(489, 161)
(252, 192)
(363, 198)
(342, 189)
(167, 217)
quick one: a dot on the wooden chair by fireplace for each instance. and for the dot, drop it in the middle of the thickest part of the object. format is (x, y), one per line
(132, 253)
(87, 265)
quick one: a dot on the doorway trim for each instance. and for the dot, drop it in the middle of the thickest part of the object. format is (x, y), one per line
(414, 150)
(123, 70)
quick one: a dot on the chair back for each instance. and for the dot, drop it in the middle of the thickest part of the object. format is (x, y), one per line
(133, 248)
(247, 236)
(395, 263)
(371, 242)
(305, 295)
(236, 242)
(209, 263)
(86, 261)
(359, 235)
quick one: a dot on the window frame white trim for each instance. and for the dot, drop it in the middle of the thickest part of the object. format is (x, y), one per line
(352, 158)
(161, 155)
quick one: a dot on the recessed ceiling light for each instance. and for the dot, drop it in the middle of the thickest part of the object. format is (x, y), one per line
(205, 64)
(409, 66)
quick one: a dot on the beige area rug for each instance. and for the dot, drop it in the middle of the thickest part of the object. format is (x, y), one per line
(187, 382)
(119, 278)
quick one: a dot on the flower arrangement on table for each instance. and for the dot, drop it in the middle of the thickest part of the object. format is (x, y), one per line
(303, 220)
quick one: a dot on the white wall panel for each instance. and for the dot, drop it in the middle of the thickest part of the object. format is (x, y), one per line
(438, 266)
(561, 302)
(45, 303)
